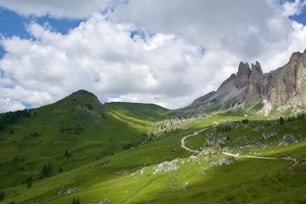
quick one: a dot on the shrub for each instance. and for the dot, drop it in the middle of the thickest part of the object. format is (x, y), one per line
(245, 121)
(76, 201)
(2, 195)
(281, 121)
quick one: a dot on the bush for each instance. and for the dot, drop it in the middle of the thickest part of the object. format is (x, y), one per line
(128, 146)
(281, 121)
(2, 195)
(67, 154)
(46, 170)
(245, 121)
(29, 184)
(29, 181)
(76, 201)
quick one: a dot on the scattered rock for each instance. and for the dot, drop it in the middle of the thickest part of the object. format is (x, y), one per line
(167, 166)
(105, 201)
(268, 135)
(221, 141)
(67, 191)
(224, 161)
(288, 139)
(186, 188)
(142, 171)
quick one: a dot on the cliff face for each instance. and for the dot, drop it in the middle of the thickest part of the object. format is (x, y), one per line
(249, 86)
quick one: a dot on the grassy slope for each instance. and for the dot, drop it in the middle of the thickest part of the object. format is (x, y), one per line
(118, 177)
(140, 111)
(78, 124)
(141, 116)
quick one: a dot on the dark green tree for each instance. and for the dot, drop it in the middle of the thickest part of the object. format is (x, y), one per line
(2, 195)
(29, 181)
(44, 171)
(281, 121)
(67, 154)
(29, 184)
(245, 121)
(76, 201)
(49, 167)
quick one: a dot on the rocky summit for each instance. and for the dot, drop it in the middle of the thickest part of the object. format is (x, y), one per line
(249, 86)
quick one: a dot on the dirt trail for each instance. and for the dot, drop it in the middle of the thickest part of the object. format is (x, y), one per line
(246, 156)
(183, 145)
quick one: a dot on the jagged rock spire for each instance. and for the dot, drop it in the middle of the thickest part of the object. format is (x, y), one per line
(243, 74)
(249, 86)
(256, 71)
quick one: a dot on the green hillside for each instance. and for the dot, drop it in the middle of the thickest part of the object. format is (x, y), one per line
(109, 158)
(140, 111)
(42, 142)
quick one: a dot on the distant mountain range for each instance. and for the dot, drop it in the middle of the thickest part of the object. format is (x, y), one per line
(283, 88)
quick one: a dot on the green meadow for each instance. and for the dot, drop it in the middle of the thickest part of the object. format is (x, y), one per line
(79, 151)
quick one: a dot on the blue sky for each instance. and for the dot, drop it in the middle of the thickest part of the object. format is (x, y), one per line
(301, 18)
(13, 23)
(138, 51)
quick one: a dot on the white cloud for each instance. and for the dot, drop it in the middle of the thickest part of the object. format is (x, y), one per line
(8, 104)
(164, 63)
(293, 8)
(246, 30)
(99, 56)
(244, 27)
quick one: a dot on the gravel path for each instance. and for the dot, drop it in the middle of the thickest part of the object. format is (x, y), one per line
(183, 145)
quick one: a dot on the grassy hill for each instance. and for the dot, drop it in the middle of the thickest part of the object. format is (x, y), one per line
(64, 135)
(110, 159)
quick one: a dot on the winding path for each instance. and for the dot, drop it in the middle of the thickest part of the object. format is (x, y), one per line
(246, 156)
(183, 145)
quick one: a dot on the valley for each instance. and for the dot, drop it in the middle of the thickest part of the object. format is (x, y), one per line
(225, 147)
(162, 170)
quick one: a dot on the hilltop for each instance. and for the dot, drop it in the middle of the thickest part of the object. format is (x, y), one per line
(73, 131)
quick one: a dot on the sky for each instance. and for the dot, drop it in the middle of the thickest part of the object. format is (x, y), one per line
(150, 51)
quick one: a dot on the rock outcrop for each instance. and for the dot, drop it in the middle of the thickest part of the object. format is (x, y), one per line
(249, 86)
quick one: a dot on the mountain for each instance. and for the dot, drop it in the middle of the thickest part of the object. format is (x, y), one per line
(71, 132)
(249, 86)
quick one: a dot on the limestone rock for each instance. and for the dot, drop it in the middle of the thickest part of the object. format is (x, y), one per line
(249, 86)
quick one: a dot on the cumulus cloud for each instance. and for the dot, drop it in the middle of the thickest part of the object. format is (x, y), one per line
(8, 104)
(99, 56)
(244, 30)
(293, 8)
(243, 27)
(147, 51)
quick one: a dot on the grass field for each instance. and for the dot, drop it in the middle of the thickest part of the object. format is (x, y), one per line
(101, 154)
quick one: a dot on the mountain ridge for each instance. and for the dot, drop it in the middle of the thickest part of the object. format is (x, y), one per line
(250, 86)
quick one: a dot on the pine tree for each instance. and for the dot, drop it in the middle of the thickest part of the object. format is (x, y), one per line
(281, 121)
(2, 195)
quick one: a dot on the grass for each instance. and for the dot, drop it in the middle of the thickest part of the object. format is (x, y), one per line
(109, 157)
(78, 124)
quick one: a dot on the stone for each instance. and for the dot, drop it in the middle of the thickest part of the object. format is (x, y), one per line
(224, 161)
(166, 166)
(250, 86)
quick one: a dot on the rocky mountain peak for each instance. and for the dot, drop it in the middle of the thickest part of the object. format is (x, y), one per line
(243, 68)
(295, 56)
(243, 74)
(250, 86)
(256, 71)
